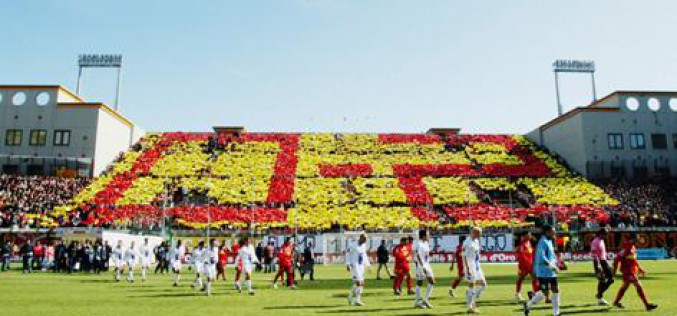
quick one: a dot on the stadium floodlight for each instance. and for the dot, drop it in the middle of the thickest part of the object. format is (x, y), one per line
(564, 65)
(573, 66)
(101, 61)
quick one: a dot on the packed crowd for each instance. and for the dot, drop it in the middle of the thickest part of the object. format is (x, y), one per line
(326, 181)
(24, 199)
(644, 203)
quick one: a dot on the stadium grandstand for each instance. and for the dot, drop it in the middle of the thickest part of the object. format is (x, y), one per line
(324, 181)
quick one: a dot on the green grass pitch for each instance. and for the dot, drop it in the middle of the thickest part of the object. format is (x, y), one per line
(83, 295)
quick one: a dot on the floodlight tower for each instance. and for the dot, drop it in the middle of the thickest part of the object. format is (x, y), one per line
(573, 66)
(101, 61)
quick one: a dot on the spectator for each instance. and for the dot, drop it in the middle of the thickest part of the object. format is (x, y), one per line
(308, 266)
(161, 258)
(59, 257)
(27, 256)
(382, 256)
(39, 256)
(49, 257)
(6, 253)
(106, 255)
(259, 254)
(21, 195)
(269, 258)
(72, 256)
(87, 256)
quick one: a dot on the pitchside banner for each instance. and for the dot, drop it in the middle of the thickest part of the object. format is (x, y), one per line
(650, 239)
(331, 248)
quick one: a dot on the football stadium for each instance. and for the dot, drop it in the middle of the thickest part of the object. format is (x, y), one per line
(575, 214)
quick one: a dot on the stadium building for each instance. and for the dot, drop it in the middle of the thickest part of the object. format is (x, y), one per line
(627, 134)
(49, 130)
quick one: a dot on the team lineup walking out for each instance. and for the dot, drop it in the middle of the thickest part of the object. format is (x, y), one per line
(357, 261)
(246, 258)
(402, 268)
(460, 269)
(600, 262)
(473, 271)
(208, 260)
(626, 261)
(198, 265)
(177, 254)
(286, 265)
(146, 254)
(525, 266)
(424, 272)
(545, 269)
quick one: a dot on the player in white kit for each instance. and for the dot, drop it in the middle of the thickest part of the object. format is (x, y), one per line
(357, 261)
(423, 270)
(118, 257)
(177, 253)
(198, 264)
(146, 253)
(473, 270)
(247, 256)
(130, 259)
(210, 256)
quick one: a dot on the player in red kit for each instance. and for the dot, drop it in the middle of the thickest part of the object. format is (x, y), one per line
(460, 270)
(626, 259)
(285, 259)
(238, 264)
(525, 266)
(410, 252)
(401, 255)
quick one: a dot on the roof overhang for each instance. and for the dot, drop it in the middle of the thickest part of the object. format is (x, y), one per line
(96, 106)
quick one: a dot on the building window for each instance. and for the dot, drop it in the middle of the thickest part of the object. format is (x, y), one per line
(640, 172)
(13, 137)
(659, 141)
(637, 141)
(674, 141)
(615, 141)
(62, 137)
(38, 137)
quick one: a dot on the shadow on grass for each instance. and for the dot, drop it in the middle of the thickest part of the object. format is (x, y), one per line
(166, 295)
(364, 294)
(324, 284)
(586, 311)
(362, 309)
(302, 307)
(566, 309)
(436, 314)
(97, 281)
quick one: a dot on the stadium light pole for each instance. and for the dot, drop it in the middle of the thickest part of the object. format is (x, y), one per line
(553, 219)
(296, 229)
(209, 217)
(573, 66)
(512, 226)
(101, 61)
(467, 201)
(296, 218)
(251, 210)
(164, 208)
